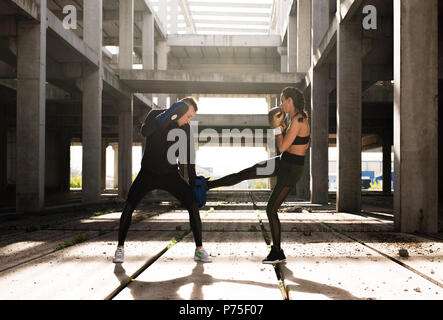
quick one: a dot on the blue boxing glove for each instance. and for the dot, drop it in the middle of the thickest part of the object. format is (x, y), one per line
(199, 191)
(152, 123)
(175, 112)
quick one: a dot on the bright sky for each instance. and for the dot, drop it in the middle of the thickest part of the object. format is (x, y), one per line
(232, 106)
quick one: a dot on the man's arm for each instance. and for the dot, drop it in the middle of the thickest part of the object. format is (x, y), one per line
(150, 125)
(157, 119)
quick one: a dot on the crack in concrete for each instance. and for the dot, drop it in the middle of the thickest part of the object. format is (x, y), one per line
(383, 254)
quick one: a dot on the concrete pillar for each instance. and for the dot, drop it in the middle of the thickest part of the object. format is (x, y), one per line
(320, 21)
(271, 153)
(302, 190)
(349, 107)
(92, 104)
(126, 34)
(283, 51)
(163, 12)
(103, 167)
(3, 147)
(65, 159)
(148, 42)
(115, 149)
(304, 35)
(162, 64)
(31, 112)
(319, 135)
(125, 134)
(319, 110)
(387, 166)
(416, 135)
(173, 4)
(292, 44)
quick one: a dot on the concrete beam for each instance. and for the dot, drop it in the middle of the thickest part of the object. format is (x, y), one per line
(8, 26)
(233, 121)
(235, 14)
(89, 54)
(326, 45)
(173, 81)
(30, 8)
(226, 65)
(112, 16)
(113, 85)
(192, 40)
(8, 51)
(186, 11)
(109, 16)
(161, 29)
(371, 72)
(348, 9)
(141, 98)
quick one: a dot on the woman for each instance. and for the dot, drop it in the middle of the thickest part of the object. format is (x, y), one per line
(292, 142)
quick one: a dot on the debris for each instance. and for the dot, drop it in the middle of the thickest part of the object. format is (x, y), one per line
(403, 253)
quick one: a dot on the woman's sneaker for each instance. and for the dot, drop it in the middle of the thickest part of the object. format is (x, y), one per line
(275, 256)
(119, 255)
(202, 255)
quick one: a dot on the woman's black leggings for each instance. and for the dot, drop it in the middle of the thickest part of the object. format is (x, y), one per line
(287, 174)
(172, 183)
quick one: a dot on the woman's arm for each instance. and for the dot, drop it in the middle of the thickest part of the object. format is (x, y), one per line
(285, 141)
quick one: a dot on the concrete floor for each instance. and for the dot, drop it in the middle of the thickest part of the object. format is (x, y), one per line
(67, 254)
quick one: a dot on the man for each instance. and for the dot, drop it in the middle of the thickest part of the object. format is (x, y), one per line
(159, 172)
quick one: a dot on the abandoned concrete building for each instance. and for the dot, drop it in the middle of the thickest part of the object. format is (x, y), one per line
(77, 72)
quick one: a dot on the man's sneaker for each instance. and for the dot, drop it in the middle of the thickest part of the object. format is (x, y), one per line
(275, 256)
(119, 255)
(202, 255)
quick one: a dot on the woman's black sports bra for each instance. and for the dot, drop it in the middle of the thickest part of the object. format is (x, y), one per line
(299, 141)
